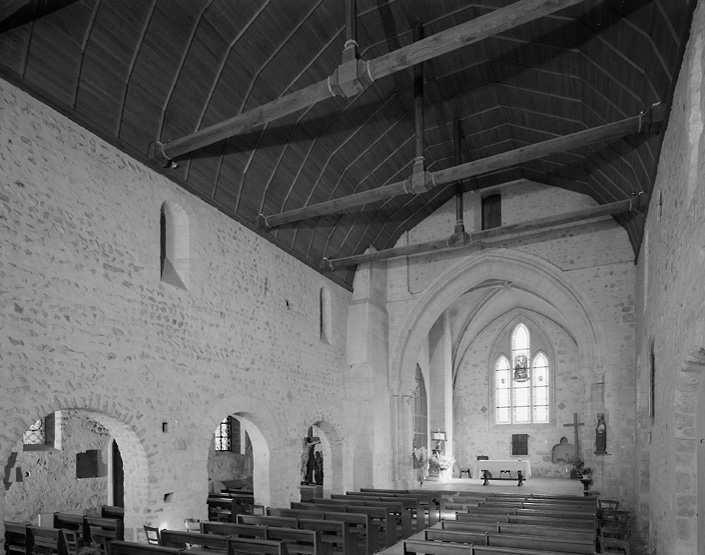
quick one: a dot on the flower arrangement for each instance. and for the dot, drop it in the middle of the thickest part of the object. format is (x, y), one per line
(441, 461)
(578, 468)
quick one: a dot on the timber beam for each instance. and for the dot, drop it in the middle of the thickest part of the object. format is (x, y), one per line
(354, 75)
(648, 121)
(483, 239)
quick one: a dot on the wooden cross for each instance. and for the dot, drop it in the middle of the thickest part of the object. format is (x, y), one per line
(310, 438)
(575, 426)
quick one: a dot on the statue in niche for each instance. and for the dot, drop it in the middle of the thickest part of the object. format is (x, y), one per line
(601, 435)
(318, 468)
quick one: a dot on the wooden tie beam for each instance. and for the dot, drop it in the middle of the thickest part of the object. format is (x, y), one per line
(354, 75)
(648, 121)
(482, 239)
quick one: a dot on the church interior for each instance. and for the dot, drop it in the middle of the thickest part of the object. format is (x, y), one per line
(299, 248)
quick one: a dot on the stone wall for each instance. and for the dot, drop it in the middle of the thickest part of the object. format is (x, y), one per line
(672, 323)
(45, 481)
(87, 324)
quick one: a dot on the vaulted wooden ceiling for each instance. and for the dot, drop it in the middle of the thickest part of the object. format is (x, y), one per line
(147, 74)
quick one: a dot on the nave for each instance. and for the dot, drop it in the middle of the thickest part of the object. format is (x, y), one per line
(546, 516)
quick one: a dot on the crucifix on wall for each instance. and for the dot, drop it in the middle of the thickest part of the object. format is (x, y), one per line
(575, 426)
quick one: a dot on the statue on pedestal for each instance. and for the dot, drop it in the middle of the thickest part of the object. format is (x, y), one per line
(601, 435)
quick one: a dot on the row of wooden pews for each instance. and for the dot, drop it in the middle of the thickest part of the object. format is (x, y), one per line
(27, 539)
(351, 524)
(252, 534)
(510, 524)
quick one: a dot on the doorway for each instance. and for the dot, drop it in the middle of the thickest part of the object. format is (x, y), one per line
(118, 476)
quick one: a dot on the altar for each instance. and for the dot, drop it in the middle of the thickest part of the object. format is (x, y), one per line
(515, 469)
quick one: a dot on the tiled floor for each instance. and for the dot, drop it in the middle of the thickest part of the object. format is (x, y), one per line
(556, 486)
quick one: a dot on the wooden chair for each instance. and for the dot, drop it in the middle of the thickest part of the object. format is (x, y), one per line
(74, 544)
(101, 544)
(607, 505)
(152, 533)
(614, 545)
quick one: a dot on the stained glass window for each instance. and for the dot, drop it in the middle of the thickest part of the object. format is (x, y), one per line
(227, 435)
(522, 392)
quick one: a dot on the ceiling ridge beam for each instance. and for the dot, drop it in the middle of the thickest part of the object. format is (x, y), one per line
(647, 121)
(485, 238)
(354, 75)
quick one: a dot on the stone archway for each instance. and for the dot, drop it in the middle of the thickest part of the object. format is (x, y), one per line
(331, 443)
(544, 279)
(115, 420)
(263, 429)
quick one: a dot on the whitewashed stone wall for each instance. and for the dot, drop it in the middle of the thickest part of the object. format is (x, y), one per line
(45, 481)
(671, 309)
(85, 322)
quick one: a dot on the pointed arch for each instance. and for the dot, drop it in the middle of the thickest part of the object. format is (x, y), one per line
(546, 281)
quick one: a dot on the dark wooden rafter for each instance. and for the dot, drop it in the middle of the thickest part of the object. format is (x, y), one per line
(648, 121)
(419, 167)
(482, 239)
(11, 7)
(458, 159)
(354, 75)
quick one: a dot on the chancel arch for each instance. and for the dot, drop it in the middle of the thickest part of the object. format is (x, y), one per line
(494, 277)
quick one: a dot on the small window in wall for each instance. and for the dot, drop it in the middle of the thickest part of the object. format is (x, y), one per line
(44, 434)
(326, 325)
(228, 435)
(174, 255)
(492, 211)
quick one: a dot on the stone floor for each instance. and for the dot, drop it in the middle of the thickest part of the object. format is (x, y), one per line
(556, 486)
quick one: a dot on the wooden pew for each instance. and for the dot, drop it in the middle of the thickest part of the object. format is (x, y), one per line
(120, 547)
(511, 510)
(447, 548)
(431, 501)
(401, 511)
(566, 545)
(233, 529)
(380, 531)
(42, 541)
(110, 511)
(304, 542)
(524, 519)
(333, 533)
(239, 546)
(110, 528)
(409, 504)
(15, 538)
(588, 524)
(359, 524)
(521, 529)
(184, 540)
(544, 505)
(268, 520)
